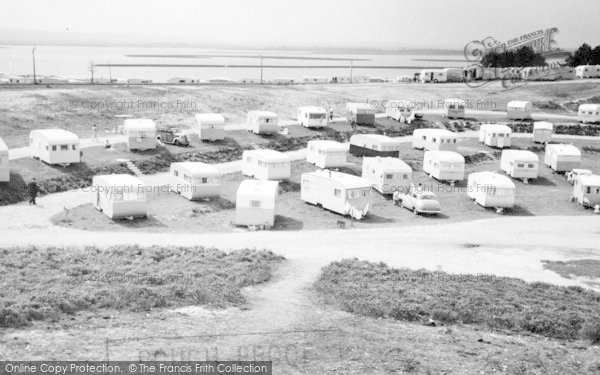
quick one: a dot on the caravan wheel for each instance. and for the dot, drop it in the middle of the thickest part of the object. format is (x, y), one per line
(414, 210)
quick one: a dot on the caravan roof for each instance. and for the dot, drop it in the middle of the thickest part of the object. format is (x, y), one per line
(391, 164)
(257, 189)
(521, 155)
(518, 104)
(139, 124)
(589, 107)
(3, 147)
(545, 125)
(496, 128)
(56, 136)
(593, 180)
(563, 149)
(442, 133)
(210, 118)
(454, 101)
(269, 155)
(313, 109)
(198, 169)
(378, 138)
(494, 179)
(328, 145)
(348, 181)
(262, 113)
(447, 156)
(353, 107)
(120, 180)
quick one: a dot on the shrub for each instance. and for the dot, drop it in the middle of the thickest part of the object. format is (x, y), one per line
(591, 331)
(499, 303)
(52, 283)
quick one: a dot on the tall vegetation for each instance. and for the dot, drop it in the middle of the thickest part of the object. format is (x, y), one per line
(495, 303)
(521, 57)
(585, 55)
(49, 284)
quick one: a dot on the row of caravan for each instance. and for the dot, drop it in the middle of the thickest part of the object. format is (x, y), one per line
(122, 196)
(534, 73)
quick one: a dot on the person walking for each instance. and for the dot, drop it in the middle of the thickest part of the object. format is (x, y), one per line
(331, 113)
(33, 191)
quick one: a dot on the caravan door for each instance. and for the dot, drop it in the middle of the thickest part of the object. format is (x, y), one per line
(500, 140)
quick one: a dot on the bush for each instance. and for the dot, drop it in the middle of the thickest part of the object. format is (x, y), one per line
(499, 303)
(591, 331)
(53, 283)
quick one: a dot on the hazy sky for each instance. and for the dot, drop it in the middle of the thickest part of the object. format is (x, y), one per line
(343, 23)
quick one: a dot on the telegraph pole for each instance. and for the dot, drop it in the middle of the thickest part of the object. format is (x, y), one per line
(33, 56)
(351, 66)
(261, 69)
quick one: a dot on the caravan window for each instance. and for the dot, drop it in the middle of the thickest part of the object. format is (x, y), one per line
(389, 176)
(530, 165)
(405, 176)
(589, 190)
(74, 147)
(64, 147)
(337, 192)
(176, 173)
(520, 165)
(53, 148)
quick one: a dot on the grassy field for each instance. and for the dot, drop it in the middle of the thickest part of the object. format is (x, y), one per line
(52, 284)
(493, 303)
(76, 108)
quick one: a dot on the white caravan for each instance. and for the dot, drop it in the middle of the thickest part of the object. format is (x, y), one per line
(4, 169)
(210, 126)
(120, 196)
(495, 135)
(326, 153)
(374, 145)
(312, 117)
(520, 164)
(586, 190)
(586, 71)
(387, 175)
(491, 189)
(542, 132)
(256, 202)
(562, 157)
(54, 146)
(454, 108)
(195, 180)
(444, 165)
(262, 122)
(360, 113)
(434, 139)
(519, 110)
(266, 164)
(140, 133)
(589, 113)
(400, 110)
(433, 76)
(342, 193)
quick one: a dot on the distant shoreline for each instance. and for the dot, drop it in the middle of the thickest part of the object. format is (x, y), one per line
(310, 50)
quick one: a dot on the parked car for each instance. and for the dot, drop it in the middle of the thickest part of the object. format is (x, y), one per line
(573, 174)
(419, 201)
(173, 137)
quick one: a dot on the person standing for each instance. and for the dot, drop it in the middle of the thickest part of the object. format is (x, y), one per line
(331, 113)
(33, 191)
(95, 131)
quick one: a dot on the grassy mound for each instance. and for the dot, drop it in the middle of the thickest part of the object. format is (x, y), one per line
(47, 284)
(376, 290)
